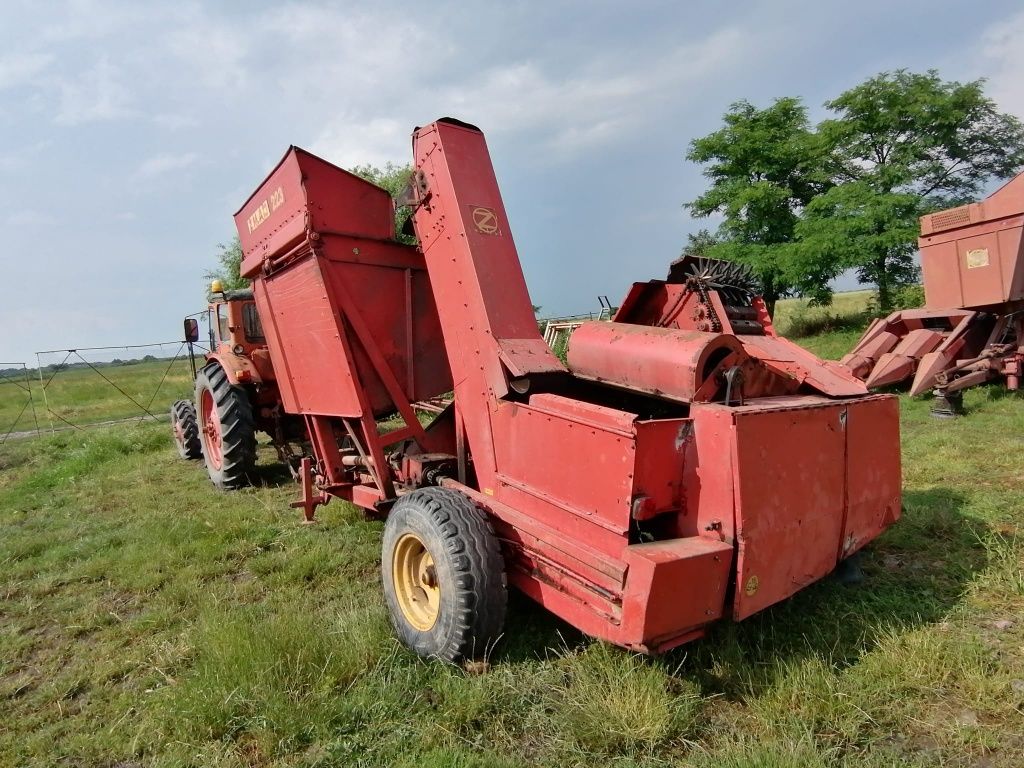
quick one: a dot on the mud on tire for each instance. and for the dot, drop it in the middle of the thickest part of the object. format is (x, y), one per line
(227, 429)
(468, 567)
(185, 425)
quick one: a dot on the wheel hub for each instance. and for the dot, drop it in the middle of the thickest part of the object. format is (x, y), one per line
(416, 584)
(210, 429)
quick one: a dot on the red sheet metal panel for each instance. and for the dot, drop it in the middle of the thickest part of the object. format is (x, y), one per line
(783, 355)
(660, 455)
(673, 587)
(349, 314)
(302, 193)
(585, 468)
(973, 256)
(873, 477)
(708, 470)
(396, 305)
(312, 361)
(789, 500)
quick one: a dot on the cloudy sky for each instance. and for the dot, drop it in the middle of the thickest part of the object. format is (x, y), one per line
(131, 131)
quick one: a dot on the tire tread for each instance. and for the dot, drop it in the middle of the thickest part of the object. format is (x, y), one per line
(238, 428)
(481, 596)
(184, 412)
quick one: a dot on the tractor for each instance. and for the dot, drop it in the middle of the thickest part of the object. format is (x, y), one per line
(236, 395)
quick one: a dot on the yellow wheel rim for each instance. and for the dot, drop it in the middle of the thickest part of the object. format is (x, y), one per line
(419, 595)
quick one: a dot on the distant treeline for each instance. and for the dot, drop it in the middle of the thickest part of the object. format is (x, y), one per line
(8, 373)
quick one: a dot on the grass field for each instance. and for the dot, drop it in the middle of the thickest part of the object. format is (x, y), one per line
(148, 620)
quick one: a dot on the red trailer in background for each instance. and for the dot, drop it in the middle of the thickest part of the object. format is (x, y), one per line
(972, 327)
(686, 465)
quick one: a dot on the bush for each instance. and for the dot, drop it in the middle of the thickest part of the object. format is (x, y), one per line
(904, 297)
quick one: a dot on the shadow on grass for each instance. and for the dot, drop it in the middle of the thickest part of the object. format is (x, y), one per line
(532, 632)
(272, 475)
(915, 574)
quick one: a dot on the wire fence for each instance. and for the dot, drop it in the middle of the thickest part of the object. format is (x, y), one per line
(77, 388)
(83, 387)
(18, 414)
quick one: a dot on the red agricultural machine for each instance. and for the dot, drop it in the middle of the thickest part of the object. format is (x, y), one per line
(972, 327)
(686, 465)
(236, 395)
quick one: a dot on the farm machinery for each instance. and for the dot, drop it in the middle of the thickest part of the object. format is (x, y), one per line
(236, 395)
(971, 329)
(686, 465)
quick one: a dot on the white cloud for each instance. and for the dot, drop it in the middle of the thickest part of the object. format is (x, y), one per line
(17, 69)
(212, 52)
(349, 141)
(175, 122)
(97, 94)
(585, 110)
(166, 163)
(558, 115)
(1002, 50)
(23, 157)
(27, 219)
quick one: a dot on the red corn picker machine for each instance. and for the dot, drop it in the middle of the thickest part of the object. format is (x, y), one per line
(686, 465)
(236, 395)
(972, 327)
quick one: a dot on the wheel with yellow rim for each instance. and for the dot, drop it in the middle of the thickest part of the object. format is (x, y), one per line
(444, 575)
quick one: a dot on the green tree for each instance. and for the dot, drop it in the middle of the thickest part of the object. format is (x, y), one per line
(229, 264)
(900, 145)
(393, 178)
(764, 165)
(699, 243)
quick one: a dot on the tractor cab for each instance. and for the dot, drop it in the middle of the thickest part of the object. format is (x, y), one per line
(234, 323)
(236, 336)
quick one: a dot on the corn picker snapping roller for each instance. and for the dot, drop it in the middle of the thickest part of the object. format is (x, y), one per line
(972, 327)
(687, 464)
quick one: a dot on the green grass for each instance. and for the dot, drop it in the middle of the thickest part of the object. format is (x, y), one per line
(849, 312)
(148, 620)
(830, 332)
(82, 396)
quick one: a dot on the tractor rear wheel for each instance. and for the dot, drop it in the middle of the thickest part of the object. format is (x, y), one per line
(444, 575)
(227, 428)
(186, 430)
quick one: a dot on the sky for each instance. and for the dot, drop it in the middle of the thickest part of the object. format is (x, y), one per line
(130, 132)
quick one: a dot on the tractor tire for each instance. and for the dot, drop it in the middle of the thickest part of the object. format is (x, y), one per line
(444, 575)
(227, 429)
(186, 430)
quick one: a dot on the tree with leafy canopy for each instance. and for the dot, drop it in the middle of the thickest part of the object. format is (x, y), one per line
(229, 265)
(764, 165)
(900, 145)
(699, 243)
(391, 177)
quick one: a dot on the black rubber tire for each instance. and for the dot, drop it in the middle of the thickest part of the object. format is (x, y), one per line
(238, 428)
(470, 574)
(183, 417)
